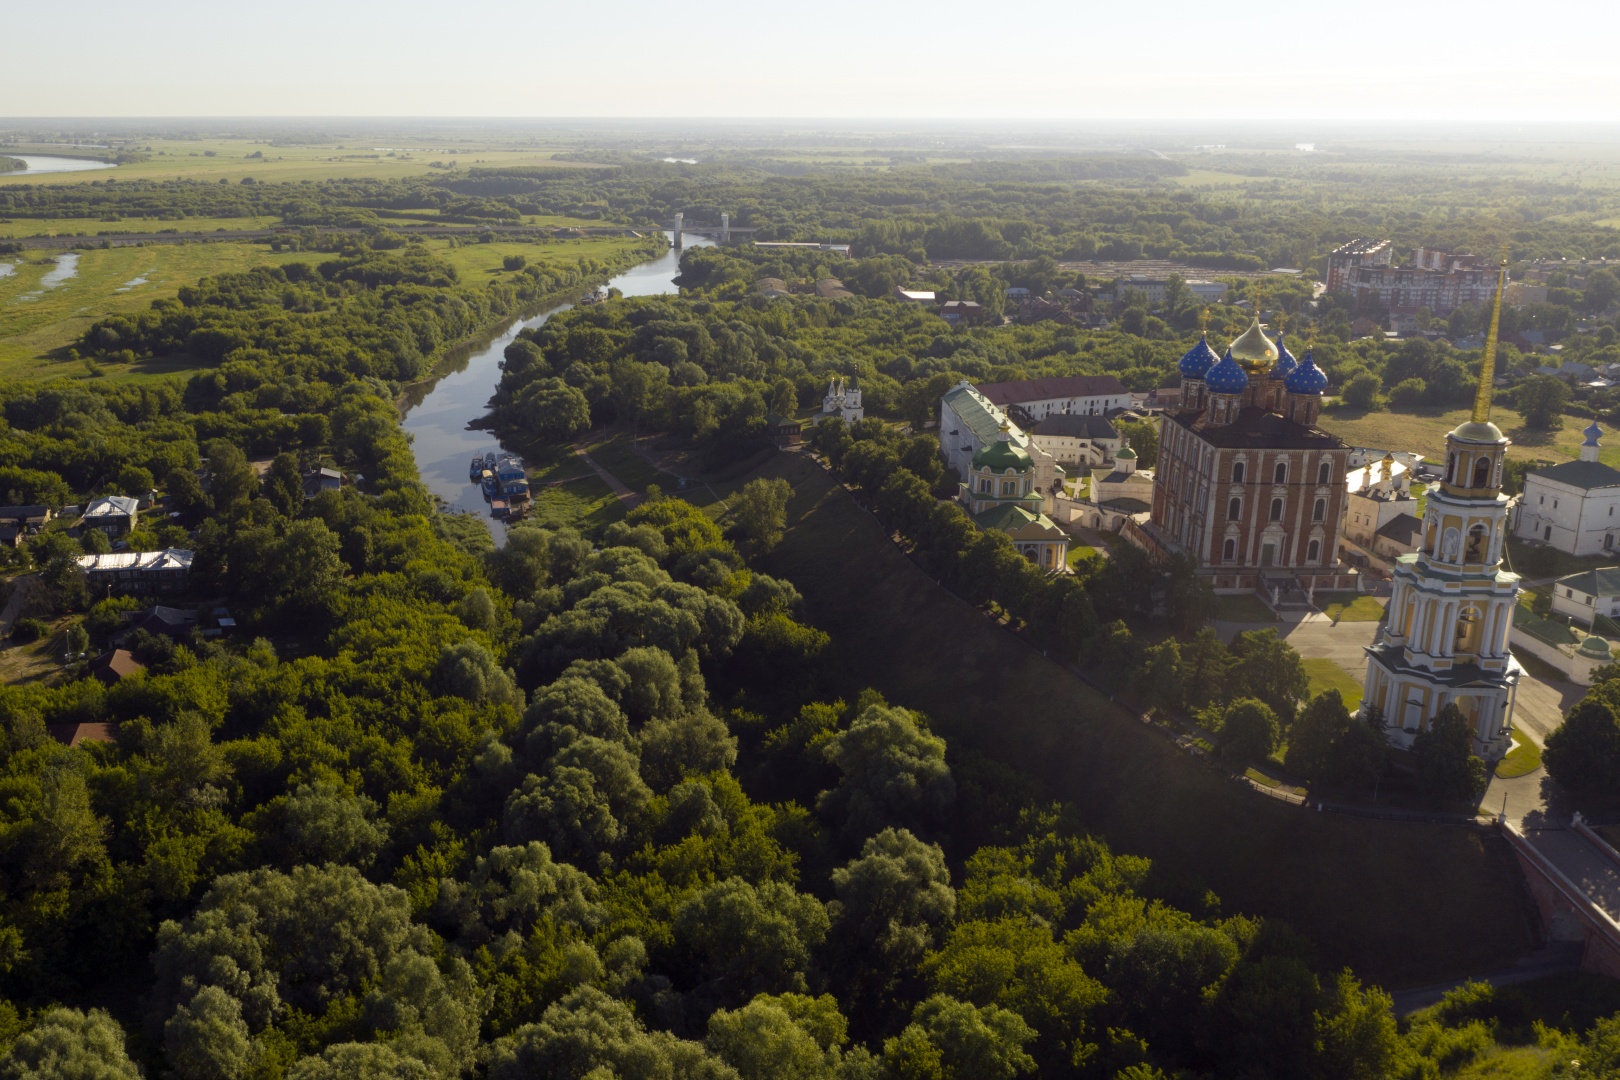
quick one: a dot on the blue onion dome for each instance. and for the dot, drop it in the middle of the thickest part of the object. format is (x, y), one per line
(1285, 361)
(1198, 360)
(1592, 434)
(1227, 377)
(1306, 379)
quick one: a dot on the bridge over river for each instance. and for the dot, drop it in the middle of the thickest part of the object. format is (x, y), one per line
(1574, 876)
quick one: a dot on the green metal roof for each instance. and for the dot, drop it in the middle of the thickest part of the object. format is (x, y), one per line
(974, 409)
(1001, 455)
(1604, 581)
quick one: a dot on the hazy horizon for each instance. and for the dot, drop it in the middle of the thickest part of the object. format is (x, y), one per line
(1261, 60)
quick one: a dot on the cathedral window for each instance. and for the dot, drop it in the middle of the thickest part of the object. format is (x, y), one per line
(1009, 487)
(1280, 475)
(1229, 551)
(1237, 472)
(1482, 472)
(1276, 509)
(985, 485)
(1319, 511)
(1325, 473)
(1234, 510)
(1314, 551)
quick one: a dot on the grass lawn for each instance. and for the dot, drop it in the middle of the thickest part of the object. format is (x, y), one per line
(1350, 607)
(587, 503)
(1079, 553)
(617, 455)
(1523, 759)
(1326, 675)
(36, 319)
(1345, 882)
(1244, 608)
(1540, 561)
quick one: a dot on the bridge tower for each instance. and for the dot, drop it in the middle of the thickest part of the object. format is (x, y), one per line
(679, 218)
(725, 227)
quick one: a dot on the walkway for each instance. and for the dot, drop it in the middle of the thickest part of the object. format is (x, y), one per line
(629, 499)
(1591, 870)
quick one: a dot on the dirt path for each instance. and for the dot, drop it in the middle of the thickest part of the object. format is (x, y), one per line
(630, 499)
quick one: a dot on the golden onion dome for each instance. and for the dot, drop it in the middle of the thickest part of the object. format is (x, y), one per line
(1254, 350)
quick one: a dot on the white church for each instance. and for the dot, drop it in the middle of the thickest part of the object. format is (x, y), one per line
(843, 401)
(1572, 506)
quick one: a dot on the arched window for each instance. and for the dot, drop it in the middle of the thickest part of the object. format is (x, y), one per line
(1313, 551)
(1237, 472)
(1229, 551)
(1280, 476)
(1234, 510)
(1324, 474)
(1451, 467)
(1276, 509)
(1482, 472)
(1319, 511)
(985, 485)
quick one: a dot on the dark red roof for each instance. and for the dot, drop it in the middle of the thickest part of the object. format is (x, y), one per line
(1259, 429)
(119, 664)
(74, 734)
(1054, 386)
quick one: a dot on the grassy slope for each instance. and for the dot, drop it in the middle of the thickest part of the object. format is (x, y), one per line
(1403, 903)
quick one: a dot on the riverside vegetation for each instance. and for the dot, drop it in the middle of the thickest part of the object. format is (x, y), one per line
(588, 805)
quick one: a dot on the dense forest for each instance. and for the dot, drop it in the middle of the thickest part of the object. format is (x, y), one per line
(590, 805)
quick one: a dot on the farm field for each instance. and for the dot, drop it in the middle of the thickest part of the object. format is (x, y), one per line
(90, 227)
(1344, 882)
(229, 160)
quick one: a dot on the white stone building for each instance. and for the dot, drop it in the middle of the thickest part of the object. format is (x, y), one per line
(1076, 440)
(843, 401)
(1033, 400)
(968, 422)
(1574, 507)
(1589, 593)
(1378, 494)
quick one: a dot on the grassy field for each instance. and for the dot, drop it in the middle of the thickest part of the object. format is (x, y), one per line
(230, 160)
(35, 320)
(1349, 607)
(587, 503)
(16, 226)
(1325, 675)
(613, 451)
(1404, 903)
(1424, 431)
(482, 262)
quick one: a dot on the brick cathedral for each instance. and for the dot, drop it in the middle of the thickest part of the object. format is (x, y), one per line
(1247, 483)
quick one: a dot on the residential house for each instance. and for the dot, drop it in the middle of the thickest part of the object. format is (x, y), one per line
(137, 572)
(962, 312)
(915, 296)
(169, 622)
(114, 515)
(322, 479)
(19, 522)
(785, 431)
(114, 666)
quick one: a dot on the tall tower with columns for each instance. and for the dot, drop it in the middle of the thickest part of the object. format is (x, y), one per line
(1445, 640)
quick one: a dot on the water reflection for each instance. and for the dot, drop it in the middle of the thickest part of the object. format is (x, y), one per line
(47, 163)
(437, 413)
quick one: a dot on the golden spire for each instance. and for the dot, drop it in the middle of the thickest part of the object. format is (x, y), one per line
(1487, 367)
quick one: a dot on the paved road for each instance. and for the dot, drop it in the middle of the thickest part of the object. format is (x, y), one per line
(1591, 871)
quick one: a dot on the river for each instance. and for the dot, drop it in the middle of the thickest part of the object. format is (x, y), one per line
(437, 413)
(45, 163)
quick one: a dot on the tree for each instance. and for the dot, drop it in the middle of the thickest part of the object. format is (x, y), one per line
(1268, 668)
(1408, 393)
(1361, 391)
(952, 1040)
(283, 486)
(1249, 730)
(786, 1037)
(1602, 291)
(1540, 399)
(1144, 437)
(1311, 740)
(588, 1034)
(1446, 766)
(232, 482)
(892, 900)
(550, 411)
(894, 773)
(761, 510)
(207, 1039)
(66, 1044)
(319, 822)
(1583, 754)
(750, 939)
(1160, 676)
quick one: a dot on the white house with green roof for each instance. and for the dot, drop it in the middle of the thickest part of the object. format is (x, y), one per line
(969, 422)
(1000, 493)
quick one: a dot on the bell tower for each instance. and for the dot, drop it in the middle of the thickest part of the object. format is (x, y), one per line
(1445, 640)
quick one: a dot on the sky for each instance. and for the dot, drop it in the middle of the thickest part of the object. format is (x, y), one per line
(1040, 59)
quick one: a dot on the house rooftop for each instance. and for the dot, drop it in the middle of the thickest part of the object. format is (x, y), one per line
(1257, 429)
(976, 412)
(1402, 529)
(1074, 426)
(112, 506)
(1581, 474)
(1603, 581)
(1055, 386)
(167, 559)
